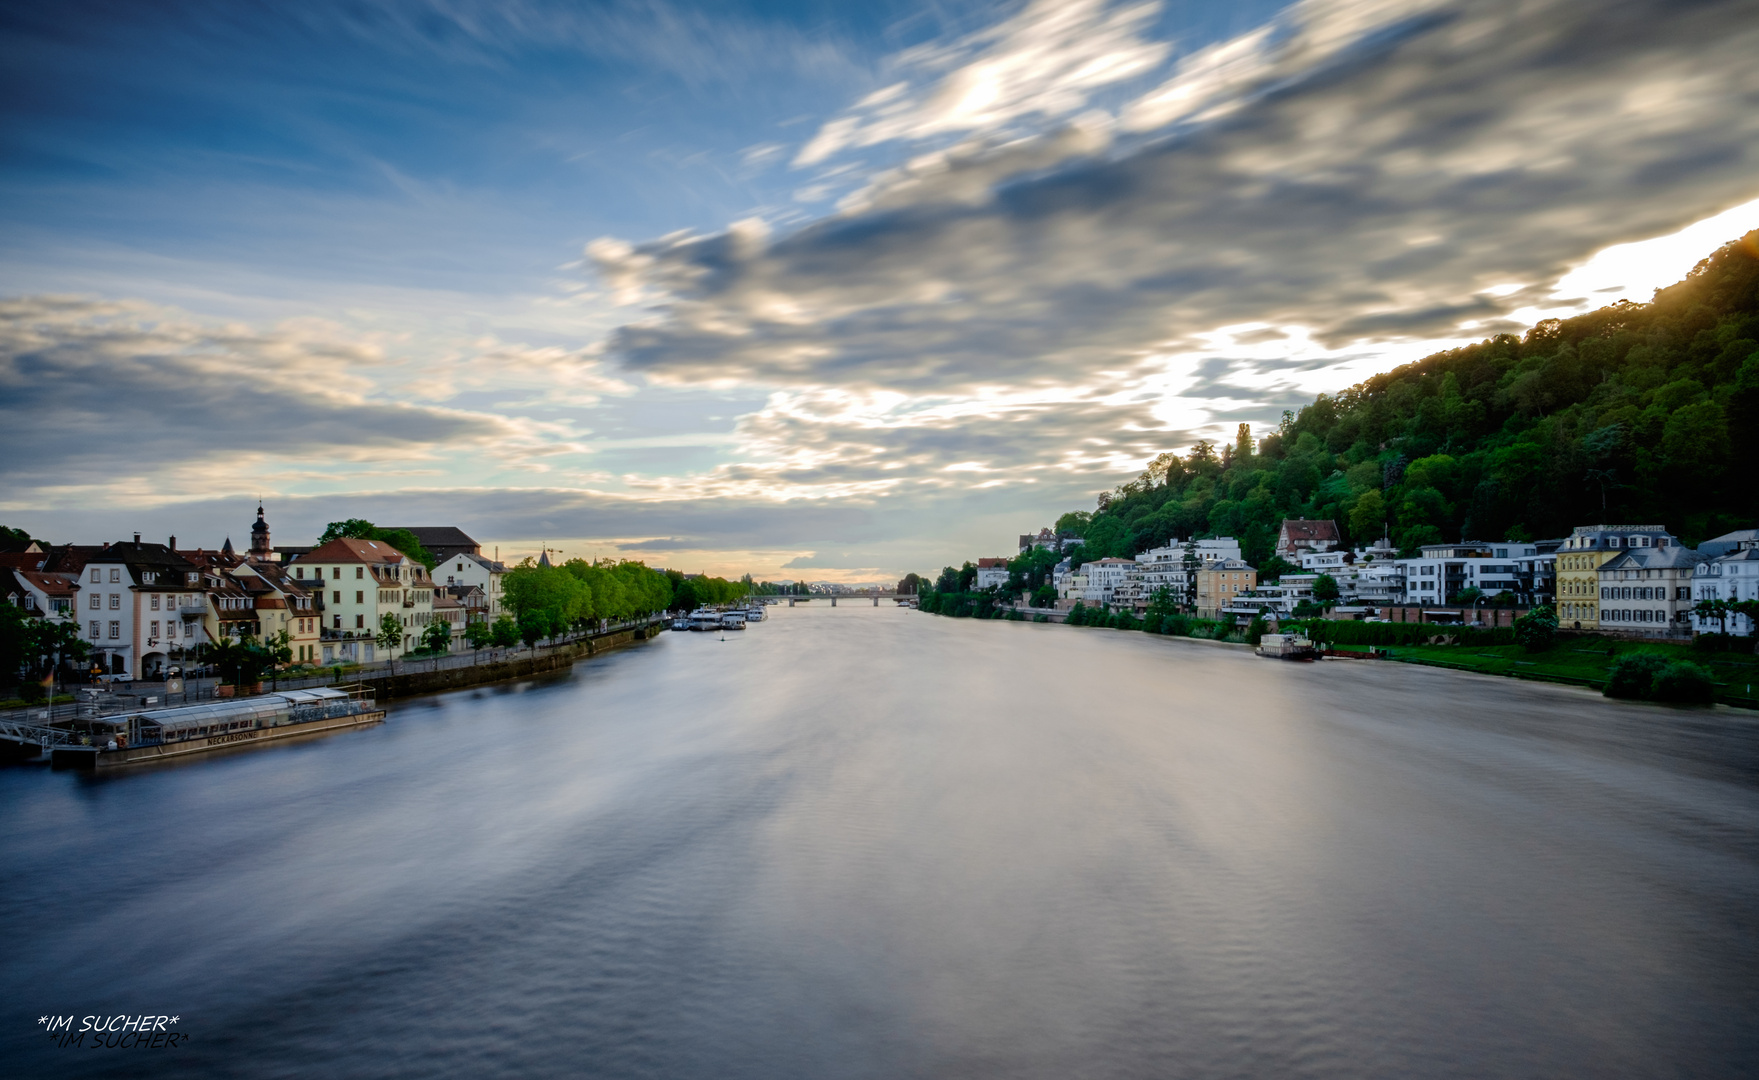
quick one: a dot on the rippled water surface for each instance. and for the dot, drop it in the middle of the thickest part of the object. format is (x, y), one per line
(873, 843)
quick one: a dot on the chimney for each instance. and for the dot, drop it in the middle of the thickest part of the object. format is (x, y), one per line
(106, 545)
(173, 544)
(137, 538)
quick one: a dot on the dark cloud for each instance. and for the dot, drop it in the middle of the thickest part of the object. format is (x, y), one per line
(104, 394)
(1374, 166)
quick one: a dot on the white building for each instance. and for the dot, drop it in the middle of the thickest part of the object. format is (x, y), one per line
(991, 573)
(464, 568)
(1445, 570)
(133, 596)
(1648, 591)
(1104, 576)
(362, 581)
(1729, 571)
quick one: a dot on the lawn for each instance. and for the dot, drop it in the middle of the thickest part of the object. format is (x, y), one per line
(1585, 662)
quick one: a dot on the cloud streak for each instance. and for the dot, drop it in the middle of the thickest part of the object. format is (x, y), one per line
(1365, 171)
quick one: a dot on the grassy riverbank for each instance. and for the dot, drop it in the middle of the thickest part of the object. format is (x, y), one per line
(1586, 662)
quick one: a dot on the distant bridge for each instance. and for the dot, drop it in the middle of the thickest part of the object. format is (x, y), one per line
(876, 597)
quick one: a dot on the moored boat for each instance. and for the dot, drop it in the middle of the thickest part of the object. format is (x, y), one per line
(705, 619)
(163, 734)
(733, 620)
(1287, 647)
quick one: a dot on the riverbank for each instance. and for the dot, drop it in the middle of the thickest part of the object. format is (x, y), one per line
(1585, 662)
(388, 686)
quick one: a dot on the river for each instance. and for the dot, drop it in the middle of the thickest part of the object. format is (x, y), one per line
(873, 843)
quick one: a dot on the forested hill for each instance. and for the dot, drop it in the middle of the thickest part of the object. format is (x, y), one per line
(1642, 413)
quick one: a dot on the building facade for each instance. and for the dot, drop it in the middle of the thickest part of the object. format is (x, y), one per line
(466, 569)
(1222, 583)
(363, 581)
(1729, 572)
(1648, 591)
(1580, 558)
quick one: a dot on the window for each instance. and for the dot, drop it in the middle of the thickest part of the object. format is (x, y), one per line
(155, 631)
(115, 601)
(115, 576)
(335, 571)
(94, 630)
(155, 601)
(338, 623)
(171, 631)
(359, 572)
(299, 571)
(359, 596)
(360, 622)
(115, 630)
(97, 575)
(97, 601)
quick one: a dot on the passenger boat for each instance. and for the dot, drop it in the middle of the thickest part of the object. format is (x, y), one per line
(755, 613)
(733, 620)
(682, 622)
(705, 619)
(1287, 647)
(164, 734)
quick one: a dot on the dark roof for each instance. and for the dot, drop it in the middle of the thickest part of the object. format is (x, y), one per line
(1300, 529)
(444, 537)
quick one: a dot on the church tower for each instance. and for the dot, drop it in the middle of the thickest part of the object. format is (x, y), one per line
(259, 539)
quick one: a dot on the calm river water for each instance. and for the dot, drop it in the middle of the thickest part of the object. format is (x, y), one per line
(874, 843)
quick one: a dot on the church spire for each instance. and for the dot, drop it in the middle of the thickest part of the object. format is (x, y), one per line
(259, 537)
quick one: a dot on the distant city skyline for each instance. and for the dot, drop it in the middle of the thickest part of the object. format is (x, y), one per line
(812, 291)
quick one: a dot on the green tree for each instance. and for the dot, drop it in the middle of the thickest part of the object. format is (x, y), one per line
(505, 632)
(534, 626)
(437, 637)
(480, 636)
(390, 636)
(1368, 516)
(1325, 590)
(278, 648)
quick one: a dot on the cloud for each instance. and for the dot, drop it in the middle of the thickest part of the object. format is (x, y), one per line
(664, 543)
(1047, 61)
(1363, 171)
(127, 396)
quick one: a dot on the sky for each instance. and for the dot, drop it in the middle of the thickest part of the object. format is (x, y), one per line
(807, 290)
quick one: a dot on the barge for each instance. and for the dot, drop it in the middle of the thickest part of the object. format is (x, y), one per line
(1287, 647)
(167, 734)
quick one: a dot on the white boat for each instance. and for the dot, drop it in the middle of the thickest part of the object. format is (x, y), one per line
(705, 619)
(755, 613)
(682, 622)
(733, 620)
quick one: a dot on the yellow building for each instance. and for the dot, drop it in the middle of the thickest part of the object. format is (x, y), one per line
(1579, 562)
(1220, 584)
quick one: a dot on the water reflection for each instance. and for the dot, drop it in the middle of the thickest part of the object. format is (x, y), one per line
(859, 842)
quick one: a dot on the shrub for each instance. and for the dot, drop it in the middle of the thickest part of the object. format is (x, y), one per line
(1722, 643)
(1041, 618)
(1633, 675)
(1685, 683)
(1176, 625)
(1536, 630)
(1154, 624)
(1077, 614)
(1255, 630)
(31, 692)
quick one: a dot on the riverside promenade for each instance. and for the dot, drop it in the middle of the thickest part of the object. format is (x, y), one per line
(385, 679)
